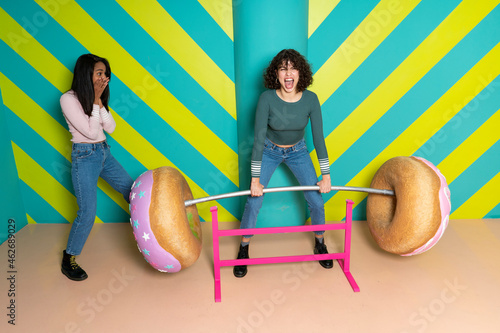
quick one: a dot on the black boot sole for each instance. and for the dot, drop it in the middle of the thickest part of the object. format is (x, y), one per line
(324, 263)
(74, 278)
(239, 274)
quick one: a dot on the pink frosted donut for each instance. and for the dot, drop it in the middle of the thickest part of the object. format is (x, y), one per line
(414, 219)
(168, 235)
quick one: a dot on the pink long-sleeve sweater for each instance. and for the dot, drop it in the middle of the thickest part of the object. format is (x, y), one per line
(82, 127)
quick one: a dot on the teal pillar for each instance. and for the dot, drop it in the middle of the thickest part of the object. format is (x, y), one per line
(262, 28)
(12, 213)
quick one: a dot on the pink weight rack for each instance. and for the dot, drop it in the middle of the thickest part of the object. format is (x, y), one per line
(343, 258)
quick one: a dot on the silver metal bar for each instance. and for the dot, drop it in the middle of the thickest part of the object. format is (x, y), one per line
(286, 189)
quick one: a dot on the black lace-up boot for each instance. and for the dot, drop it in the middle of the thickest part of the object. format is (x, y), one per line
(241, 271)
(320, 248)
(71, 269)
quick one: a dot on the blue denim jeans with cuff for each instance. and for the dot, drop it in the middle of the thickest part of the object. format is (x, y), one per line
(297, 158)
(89, 162)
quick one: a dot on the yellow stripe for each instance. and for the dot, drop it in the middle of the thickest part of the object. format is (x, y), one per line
(36, 117)
(30, 219)
(358, 46)
(47, 127)
(33, 52)
(471, 149)
(483, 201)
(96, 40)
(26, 109)
(433, 48)
(175, 41)
(222, 12)
(151, 158)
(318, 12)
(45, 185)
(56, 135)
(427, 125)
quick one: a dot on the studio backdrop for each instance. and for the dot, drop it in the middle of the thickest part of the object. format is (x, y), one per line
(394, 77)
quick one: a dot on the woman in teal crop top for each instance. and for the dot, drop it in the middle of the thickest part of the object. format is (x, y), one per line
(283, 112)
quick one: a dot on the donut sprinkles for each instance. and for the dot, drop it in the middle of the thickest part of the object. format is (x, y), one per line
(140, 200)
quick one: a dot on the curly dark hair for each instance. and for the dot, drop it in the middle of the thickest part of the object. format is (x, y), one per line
(298, 61)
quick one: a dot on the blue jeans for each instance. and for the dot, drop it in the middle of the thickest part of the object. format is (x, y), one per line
(298, 160)
(89, 161)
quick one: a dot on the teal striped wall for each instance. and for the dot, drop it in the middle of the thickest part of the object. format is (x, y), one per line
(394, 78)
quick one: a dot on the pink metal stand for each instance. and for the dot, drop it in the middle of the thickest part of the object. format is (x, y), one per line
(343, 258)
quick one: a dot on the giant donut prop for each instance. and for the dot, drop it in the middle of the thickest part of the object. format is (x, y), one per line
(168, 234)
(407, 210)
(412, 221)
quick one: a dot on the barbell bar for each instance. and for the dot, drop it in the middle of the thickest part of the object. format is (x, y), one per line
(191, 202)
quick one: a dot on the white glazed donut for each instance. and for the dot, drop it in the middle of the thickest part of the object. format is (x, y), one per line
(168, 234)
(412, 221)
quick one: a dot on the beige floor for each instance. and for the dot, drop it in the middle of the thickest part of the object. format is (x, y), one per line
(455, 287)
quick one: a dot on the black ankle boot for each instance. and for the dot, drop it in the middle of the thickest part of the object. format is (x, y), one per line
(320, 248)
(71, 269)
(241, 271)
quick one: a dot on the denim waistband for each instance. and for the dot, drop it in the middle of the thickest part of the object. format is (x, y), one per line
(93, 146)
(270, 145)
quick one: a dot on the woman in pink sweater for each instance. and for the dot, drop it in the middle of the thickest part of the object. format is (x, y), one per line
(85, 108)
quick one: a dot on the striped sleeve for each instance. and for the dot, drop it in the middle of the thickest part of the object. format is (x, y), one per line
(324, 166)
(255, 168)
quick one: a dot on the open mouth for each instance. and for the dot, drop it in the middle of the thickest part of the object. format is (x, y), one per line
(289, 84)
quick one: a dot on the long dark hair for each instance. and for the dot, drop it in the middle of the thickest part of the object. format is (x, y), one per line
(83, 85)
(297, 60)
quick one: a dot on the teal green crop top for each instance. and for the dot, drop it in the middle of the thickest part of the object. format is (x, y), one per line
(284, 123)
